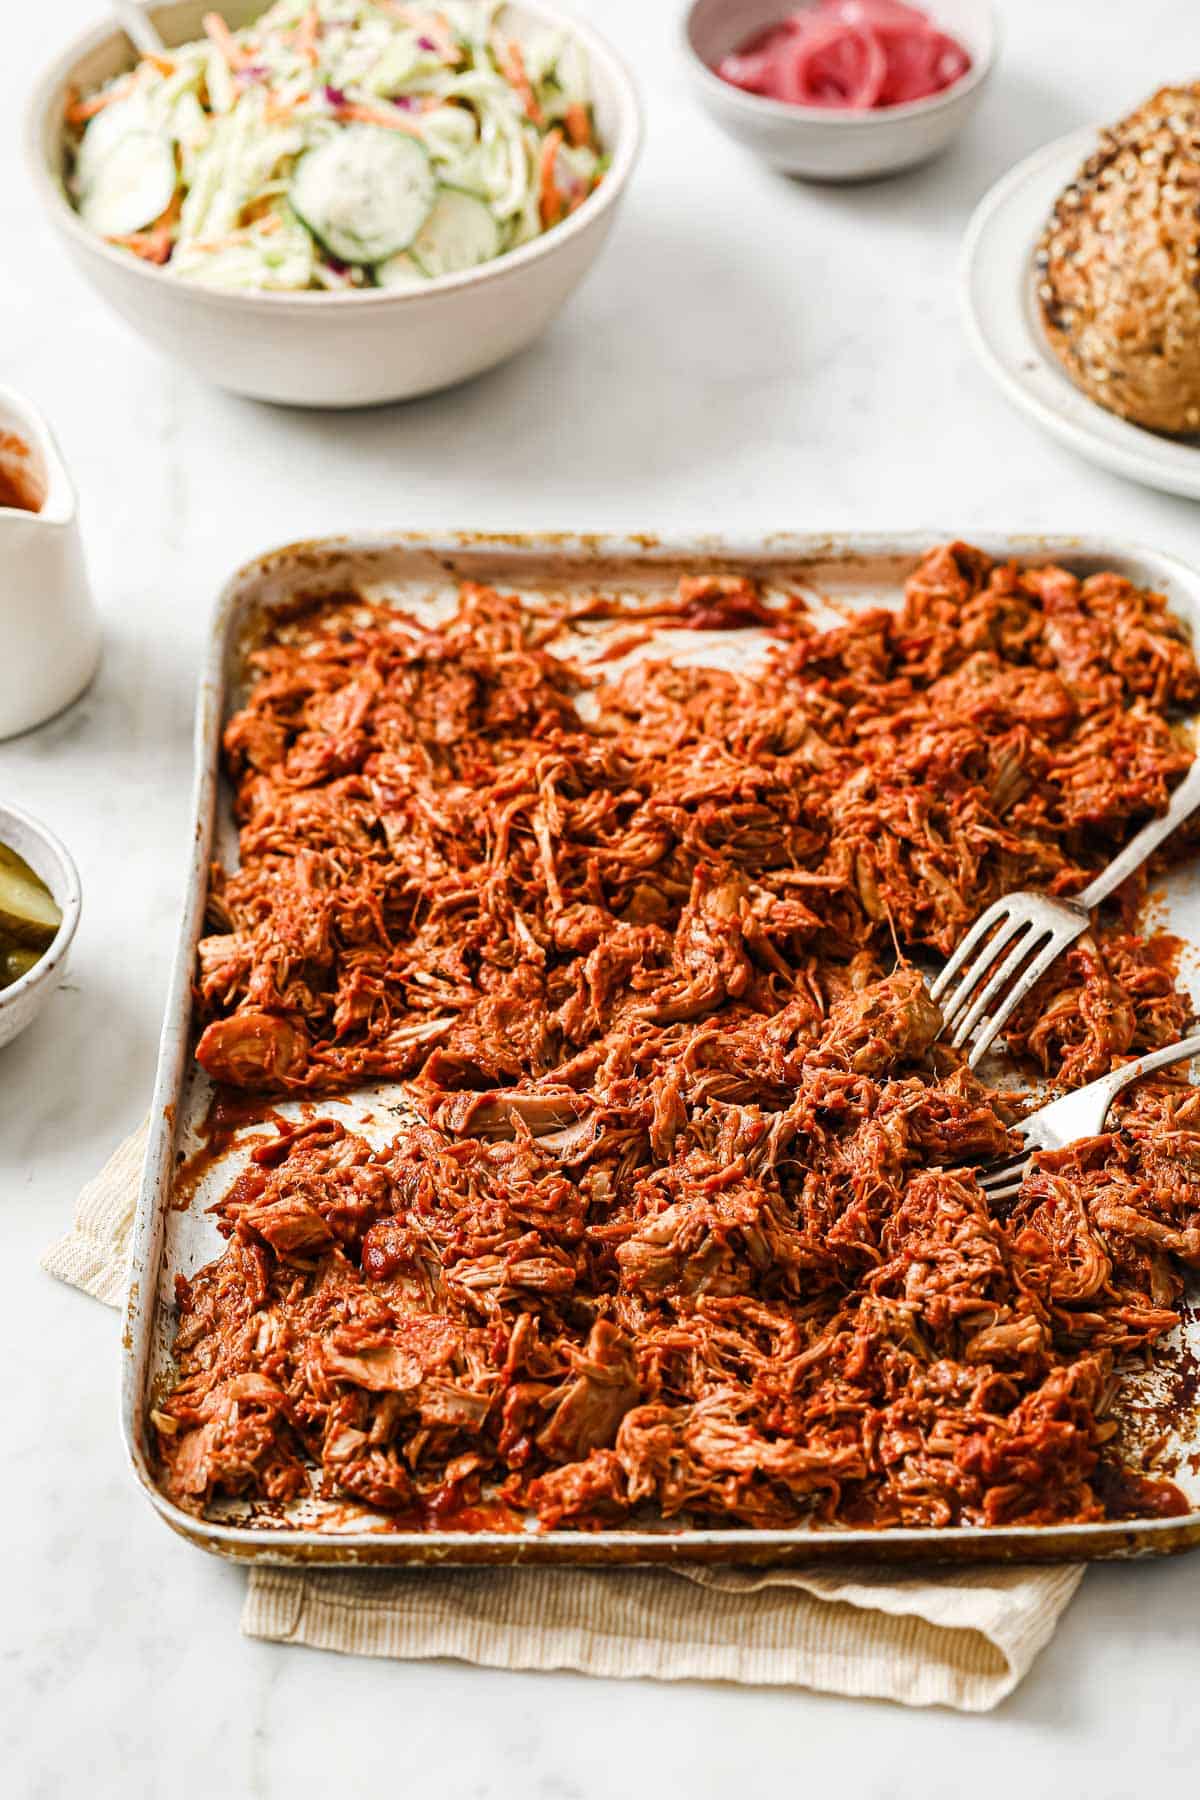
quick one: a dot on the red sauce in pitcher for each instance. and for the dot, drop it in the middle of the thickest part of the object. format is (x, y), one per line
(19, 487)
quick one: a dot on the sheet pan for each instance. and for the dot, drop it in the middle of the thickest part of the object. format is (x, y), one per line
(838, 573)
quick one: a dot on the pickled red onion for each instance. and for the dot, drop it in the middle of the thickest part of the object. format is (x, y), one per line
(855, 54)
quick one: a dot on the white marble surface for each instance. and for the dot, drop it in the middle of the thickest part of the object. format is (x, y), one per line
(750, 354)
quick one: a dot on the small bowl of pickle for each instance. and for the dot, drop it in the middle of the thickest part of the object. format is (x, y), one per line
(39, 910)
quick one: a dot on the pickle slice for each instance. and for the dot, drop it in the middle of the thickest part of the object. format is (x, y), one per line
(15, 962)
(28, 913)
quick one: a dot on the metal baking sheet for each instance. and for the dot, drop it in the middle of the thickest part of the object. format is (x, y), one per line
(174, 1233)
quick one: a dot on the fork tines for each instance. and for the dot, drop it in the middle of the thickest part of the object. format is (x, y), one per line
(1004, 1181)
(1006, 951)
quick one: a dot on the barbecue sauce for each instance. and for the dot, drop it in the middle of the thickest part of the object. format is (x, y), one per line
(19, 489)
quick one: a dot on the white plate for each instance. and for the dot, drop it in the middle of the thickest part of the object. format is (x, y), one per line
(999, 305)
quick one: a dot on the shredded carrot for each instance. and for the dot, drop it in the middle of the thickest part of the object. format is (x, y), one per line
(307, 33)
(160, 63)
(218, 32)
(375, 115)
(275, 112)
(78, 112)
(154, 244)
(579, 126)
(151, 246)
(512, 67)
(550, 199)
(443, 35)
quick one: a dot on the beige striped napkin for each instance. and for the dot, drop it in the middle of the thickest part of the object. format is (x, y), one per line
(962, 1639)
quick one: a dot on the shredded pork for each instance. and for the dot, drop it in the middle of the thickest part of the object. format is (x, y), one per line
(687, 1220)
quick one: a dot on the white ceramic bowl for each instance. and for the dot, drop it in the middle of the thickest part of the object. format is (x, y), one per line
(51, 863)
(819, 142)
(321, 349)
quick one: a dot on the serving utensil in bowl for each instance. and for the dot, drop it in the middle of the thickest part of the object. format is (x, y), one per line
(1011, 945)
(1078, 1115)
(137, 26)
(355, 348)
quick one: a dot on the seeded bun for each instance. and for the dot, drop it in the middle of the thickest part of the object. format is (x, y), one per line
(1119, 267)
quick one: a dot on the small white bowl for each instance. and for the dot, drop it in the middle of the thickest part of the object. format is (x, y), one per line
(824, 143)
(51, 862)
(343, 349)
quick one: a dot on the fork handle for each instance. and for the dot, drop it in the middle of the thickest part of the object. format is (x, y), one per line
(1111, 1085)
(1184, 801)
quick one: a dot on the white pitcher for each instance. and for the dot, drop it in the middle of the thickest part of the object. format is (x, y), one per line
(49, 634)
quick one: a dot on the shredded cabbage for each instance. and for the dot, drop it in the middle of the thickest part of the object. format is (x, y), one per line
(239, 109)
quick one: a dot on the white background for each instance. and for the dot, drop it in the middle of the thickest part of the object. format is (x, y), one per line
(751, 353)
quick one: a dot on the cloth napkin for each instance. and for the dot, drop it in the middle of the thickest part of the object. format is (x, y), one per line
(962, 1639)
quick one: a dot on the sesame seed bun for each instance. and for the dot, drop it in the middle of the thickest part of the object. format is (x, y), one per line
(1118, 267)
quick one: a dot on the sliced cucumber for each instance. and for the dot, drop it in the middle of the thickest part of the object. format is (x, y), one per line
(401, 272)
(119, 119)
(365, 193)
(459, 233)
(131, 186)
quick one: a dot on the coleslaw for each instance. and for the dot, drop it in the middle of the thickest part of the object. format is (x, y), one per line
(337, 144)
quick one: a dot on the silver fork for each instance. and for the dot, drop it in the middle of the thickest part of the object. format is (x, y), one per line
(1017, 938)
(1078, 1115)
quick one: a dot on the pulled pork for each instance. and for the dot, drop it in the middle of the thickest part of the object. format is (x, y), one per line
(684, 1222)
